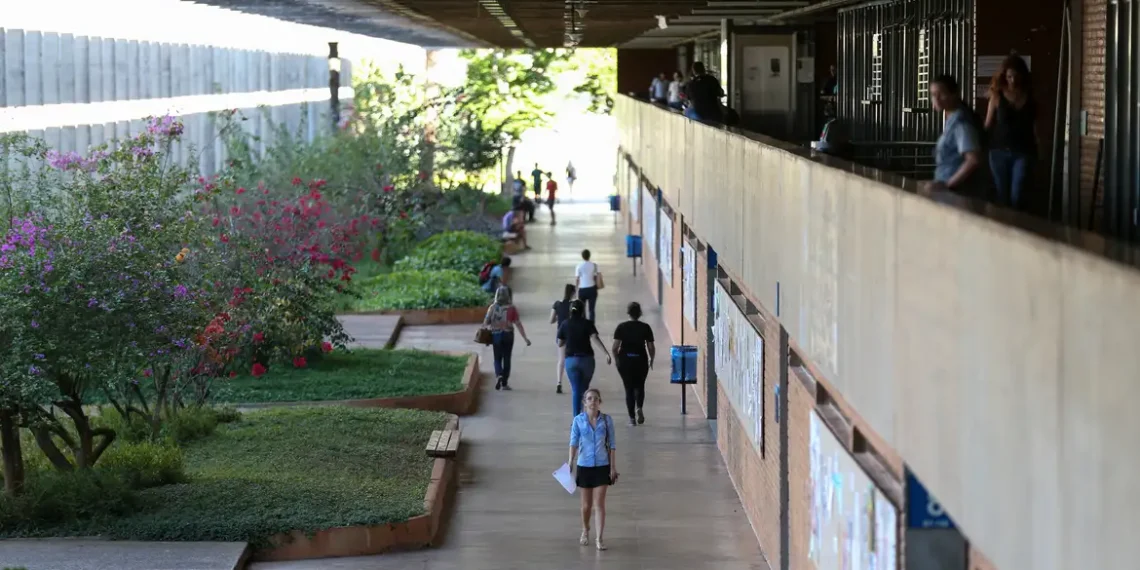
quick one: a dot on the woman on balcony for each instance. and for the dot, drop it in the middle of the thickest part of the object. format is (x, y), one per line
(1010, 120)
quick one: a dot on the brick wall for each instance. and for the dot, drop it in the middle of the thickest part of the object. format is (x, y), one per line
(1094, 21)
(800, 404)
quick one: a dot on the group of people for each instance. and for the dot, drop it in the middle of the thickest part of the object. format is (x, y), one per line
(592, 436)
(699, 97)
(523, 207)
(1008, 132)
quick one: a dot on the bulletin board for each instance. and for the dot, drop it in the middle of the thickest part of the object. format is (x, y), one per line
(689, 282)
(648, 219)
(739, 363)
(853, 525)
(665, 247)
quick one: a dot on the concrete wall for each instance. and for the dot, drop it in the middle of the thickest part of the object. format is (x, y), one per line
(996, 363)
(80, 91)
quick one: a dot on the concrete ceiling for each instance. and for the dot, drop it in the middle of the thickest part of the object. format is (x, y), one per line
(527, 23)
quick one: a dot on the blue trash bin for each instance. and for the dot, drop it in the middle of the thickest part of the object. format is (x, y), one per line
(684, 360)
(615, 203)
(632, 246)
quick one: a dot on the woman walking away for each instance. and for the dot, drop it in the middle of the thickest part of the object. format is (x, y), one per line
(634, 350)
(1011, 120)
(587, 278)
(593, 454)
(574, 336)
(560, 313)
(502, 319)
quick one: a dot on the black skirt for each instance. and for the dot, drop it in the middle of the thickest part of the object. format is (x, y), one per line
(591, 477)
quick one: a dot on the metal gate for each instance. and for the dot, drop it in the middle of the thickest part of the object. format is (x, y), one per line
(1122, 121)
(888, 53)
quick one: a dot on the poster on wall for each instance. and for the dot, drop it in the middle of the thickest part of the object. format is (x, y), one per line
(648, 221)
(853, 525)
(634, 195)
(689, 282)
(739, 363)
(665, 249)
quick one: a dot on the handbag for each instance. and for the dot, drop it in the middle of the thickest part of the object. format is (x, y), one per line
(601, 284)
(483, 336)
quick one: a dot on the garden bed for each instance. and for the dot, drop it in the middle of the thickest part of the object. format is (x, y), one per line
(406, 291)
(414, 379)
(283, 471)
(360, 374)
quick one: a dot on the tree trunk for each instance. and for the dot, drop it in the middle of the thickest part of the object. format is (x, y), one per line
(508, 186)
(431, 96)
(12, 454)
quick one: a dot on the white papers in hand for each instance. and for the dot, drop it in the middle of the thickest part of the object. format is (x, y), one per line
(562, 475)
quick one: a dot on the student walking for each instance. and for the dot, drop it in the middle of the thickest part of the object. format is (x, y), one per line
(575, 336)
(560, 313)
(588, 280)
(633, 348)
(502, 319)
(551, 191)
(593, 455)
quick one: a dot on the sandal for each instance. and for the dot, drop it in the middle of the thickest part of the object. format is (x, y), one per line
(600, 545)
(585, 538)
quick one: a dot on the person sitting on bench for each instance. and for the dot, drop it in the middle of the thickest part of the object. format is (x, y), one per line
(514, 226)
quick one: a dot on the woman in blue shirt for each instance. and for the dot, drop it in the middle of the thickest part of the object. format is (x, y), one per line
(593, 454)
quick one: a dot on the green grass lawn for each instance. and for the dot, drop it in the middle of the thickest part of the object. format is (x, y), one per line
(355, 375)
(281, 470)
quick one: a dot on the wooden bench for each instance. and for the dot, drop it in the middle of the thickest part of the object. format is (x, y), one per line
(443, 443)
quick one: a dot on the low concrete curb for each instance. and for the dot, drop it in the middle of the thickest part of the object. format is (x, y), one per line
(461, 402)
(415, 533)
(415, 318)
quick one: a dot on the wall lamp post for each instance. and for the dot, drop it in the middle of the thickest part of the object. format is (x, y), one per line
(334, 85)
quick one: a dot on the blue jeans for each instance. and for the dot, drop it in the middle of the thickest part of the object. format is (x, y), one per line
(690, 113)
(1011, 171)
(580, 371)
(502, 343)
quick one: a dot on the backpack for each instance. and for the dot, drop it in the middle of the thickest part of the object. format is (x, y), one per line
(485, 273)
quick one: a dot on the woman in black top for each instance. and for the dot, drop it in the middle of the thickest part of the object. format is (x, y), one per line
(633, 347)
(574, 336)
(559, 313)
(1013, 138)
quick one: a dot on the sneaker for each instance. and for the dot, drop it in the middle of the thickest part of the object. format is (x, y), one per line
(558, 389)
(499, 383)
(632, 422)
(506, 386)
(600, 545)
(640, 416)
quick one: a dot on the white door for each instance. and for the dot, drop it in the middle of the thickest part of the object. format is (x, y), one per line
(767, 85)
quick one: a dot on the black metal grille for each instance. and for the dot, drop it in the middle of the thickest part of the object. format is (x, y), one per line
(888, 53)
(1122, 121)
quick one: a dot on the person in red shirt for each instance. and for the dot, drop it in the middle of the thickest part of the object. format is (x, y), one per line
(551, 190)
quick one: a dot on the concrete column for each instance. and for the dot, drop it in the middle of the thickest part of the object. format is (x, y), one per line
(33, 77)
(82, 139)
(107, 83)
(120, 70)
(95, 70)
(152, 80)
(178, 69)
(165, 53)
(67, 71)
(95, 135)
(53, 137)
(194, 71)
(81, 59)
(122, 130)
(49, 68)
(13, 57)
(134, 71)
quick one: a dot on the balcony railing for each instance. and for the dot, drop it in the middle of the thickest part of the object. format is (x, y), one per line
(995, 352)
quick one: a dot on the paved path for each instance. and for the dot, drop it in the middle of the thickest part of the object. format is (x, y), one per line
(675, 507)
(84, 554)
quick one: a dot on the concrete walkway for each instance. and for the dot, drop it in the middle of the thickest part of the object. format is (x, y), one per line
(674, 508)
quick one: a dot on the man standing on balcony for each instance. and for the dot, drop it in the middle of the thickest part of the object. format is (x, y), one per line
(703, 92)
(958, 153)
(659, 89)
